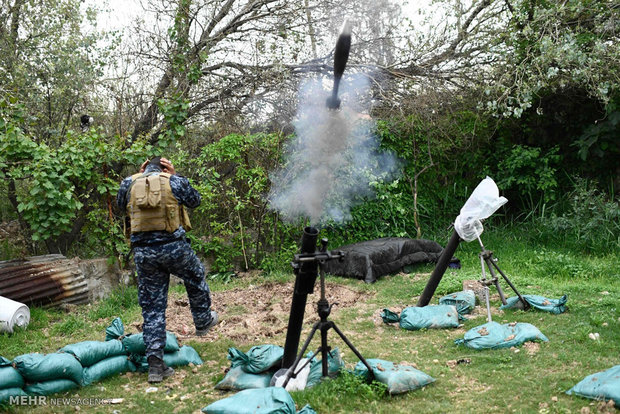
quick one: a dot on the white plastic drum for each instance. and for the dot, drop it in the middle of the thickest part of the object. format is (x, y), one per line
(13, 314)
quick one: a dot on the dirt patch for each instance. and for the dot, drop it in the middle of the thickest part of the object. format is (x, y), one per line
(254, 314)
(531, 347)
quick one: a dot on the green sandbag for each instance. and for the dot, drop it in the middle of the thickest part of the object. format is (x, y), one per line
(258, 359)
(433, 316)
(334, 365)
(493, 335)
(39, 367)
(116, 330)
(272, 400)
(134, 344)
(50, 387)
(398, 378)
(91, 352)
(110, 366)
(237, 379)
(465, 302)
(184, 356)
(7, 393)
(555, 306)
(9, 376)
(603, 385)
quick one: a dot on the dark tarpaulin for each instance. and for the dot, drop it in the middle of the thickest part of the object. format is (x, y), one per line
(374, 258)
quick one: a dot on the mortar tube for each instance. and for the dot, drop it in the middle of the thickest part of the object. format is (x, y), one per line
(440, 269)
(304, 284)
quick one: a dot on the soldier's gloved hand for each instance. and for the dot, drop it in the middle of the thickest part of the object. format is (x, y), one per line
(168, 167)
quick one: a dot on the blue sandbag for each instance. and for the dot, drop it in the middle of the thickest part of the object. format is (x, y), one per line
(272, 400)
(134, 343)
(91, 352)
(9, 376)
(110, 366)
(398, 378)
(433, 316)
(493, 335)
(38, 367)
(237, 379)
(184, 356)
(50, 387)
(334, 365)
(7, 393)
(556, 306)
(465, 301)
(116, 330)
(603, 385)
(258, 359)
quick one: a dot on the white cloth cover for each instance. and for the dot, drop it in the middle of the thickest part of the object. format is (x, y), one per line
(484, 201)
(299, 382)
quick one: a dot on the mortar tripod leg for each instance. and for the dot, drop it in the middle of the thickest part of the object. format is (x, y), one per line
(355, 351)
(489, 261)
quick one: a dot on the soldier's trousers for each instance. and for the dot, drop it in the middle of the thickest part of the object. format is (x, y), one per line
(154, 265)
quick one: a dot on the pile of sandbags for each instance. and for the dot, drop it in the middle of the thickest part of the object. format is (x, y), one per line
(133, 345)
(85, 363)
(252, 369)
(11, 381)
(100, 359)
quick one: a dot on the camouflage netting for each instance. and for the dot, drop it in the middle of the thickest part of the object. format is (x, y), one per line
(374, 258)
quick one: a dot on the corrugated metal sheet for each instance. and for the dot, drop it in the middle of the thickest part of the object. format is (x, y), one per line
(43, 280)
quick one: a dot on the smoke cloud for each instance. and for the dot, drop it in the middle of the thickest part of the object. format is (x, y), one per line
(334, 158)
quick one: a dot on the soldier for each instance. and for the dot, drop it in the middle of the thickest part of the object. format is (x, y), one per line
(155, 200)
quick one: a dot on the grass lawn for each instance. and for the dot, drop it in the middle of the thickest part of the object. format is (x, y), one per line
(528, 379)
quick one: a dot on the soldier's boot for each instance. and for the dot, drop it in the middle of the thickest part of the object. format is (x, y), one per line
(158, 370)
(214, 320)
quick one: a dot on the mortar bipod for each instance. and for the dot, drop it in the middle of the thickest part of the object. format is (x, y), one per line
(324, 324)
(487, 259)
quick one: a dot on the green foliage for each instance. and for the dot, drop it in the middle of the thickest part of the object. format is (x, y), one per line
(54, 186)
(222, 277)
(50, 61)
(600, 140)
(232, 176)
(347, 383)
(590, 221)
(175, 113)
(69, 326)
(530, 173)
(280, 259)
(119, 302)
(552, 47)
(554, 264)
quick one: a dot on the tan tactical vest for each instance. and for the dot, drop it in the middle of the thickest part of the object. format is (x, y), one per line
(152, 205)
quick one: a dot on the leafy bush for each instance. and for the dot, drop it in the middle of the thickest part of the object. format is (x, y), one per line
(530, 174)
(590, 222)
(233, 223)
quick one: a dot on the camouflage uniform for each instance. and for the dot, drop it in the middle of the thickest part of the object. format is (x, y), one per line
(156, 255)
